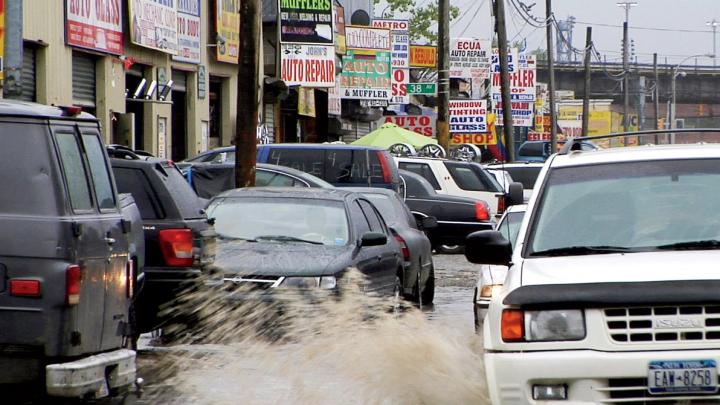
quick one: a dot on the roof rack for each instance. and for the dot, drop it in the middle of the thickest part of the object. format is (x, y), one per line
(574, 143)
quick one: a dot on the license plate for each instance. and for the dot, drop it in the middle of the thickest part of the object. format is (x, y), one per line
(687, 376)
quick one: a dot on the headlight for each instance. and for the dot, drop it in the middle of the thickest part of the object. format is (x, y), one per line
(568, 324)
(326, 282)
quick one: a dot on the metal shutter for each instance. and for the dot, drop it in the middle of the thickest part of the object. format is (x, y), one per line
(179, 79)
(28, 74)
(270, 121)
(83, 79)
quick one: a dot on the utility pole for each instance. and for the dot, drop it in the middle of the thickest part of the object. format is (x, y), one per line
(586, 96)
(505, 79)
(714, 23)
(13, 58)
(248, 100)
(551, 72)
(626, 83)
(656, 97)
(443, 77)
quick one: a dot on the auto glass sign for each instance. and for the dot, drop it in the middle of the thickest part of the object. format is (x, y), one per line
(188, 26)
(306, 22)
(366, 77)
(95, 25)
(421, 124)
(468, 116)
(153, 24)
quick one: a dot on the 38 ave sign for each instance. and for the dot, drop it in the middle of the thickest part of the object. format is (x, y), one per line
(422, 88)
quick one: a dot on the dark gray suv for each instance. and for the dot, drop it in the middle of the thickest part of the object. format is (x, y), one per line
(64, 264)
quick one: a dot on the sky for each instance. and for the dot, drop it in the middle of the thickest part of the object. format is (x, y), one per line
(669, 19)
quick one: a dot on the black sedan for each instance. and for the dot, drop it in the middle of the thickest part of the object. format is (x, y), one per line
(419, 275)
(271, 238)
(456, 217)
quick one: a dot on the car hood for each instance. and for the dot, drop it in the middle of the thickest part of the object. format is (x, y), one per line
(630, 267)
(280, 259)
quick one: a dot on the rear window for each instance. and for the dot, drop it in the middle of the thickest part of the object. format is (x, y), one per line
(422, 169)
(339, 166)
(524, 175)
(472, 178)
(187, 202)
(135, 182)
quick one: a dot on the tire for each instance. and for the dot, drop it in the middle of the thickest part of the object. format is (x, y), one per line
(451, 249)
(428, 294)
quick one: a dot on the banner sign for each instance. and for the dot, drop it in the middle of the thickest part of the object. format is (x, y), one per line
(307, 65)
(421, 124)
(153, 24)
(339, 18)
(400, 81)
(470, 58)
(227, 21)
(367, 39)
(422, 88)
(366, 77)
(306, 21)
(522, 113)
(468, 116)
(512, 60)
(422, 56)
(188, 26)
(95, 25)
(392, 25)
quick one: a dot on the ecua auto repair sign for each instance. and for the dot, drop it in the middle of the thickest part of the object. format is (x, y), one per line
(307, 65)
(468, 116)
(421, 124)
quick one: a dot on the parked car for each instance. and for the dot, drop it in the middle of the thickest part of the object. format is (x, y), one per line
(339, 165)
(225, 154)
(456, 216)
(456, 178)
(64, 258)
(539, 151)
(418, 271)
(209, 180)
(525, 173)
(178, 237)
(304, 238)
(612, 290)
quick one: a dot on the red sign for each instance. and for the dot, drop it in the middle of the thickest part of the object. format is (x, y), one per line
(421, 124)
(95, 25)
(475, 139)
(538, 136)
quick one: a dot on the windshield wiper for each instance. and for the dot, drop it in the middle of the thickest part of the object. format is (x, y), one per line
(581, 250)
(692, 245)
(285, 238)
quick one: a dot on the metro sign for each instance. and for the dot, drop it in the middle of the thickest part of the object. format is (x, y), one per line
(392, 25)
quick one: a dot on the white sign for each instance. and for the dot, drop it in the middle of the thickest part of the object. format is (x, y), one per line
(400, 54)
(522, 83)
(522, 114)
(334, 101)
(392, 25)
(512, 60)
(470, 58)
(162, 136)
(307, 65)
(468, 116)
(188, 29)
(367, 39)
(373, 103)
(399, 83)
(153, 24)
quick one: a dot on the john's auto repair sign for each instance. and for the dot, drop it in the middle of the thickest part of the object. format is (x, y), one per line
(308, 65)
(468, 116)
(95, 25)
(421, 124)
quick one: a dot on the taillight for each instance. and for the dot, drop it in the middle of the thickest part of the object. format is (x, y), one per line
(481, 211)
(25, 288)
(130, 278)
(387, 174)
(512, 326)
(73, 278)
(176, 246)
(403, 247)
(501, 204)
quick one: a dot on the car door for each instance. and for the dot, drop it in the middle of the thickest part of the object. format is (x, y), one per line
(387, 264)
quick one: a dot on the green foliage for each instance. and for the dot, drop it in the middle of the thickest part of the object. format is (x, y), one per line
(423, 20)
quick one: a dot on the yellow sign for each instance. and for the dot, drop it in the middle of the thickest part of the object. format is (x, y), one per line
(227, 21)
(485, 139)
(306, 101)
(423, 56)
(569, 112)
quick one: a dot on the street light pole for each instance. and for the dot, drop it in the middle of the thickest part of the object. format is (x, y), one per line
(675, 73)
(714, 23)
(626, 68)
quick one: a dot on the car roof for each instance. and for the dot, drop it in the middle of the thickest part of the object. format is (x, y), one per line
(27, 109)
(502, 166)
(333, 194)
(636, 153)
(372, 190)
(319, 146)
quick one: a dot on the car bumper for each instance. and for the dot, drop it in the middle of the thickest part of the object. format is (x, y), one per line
(455, 232)
(591, 377)
(91, 376)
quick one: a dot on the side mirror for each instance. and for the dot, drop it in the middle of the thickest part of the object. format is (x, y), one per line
(488, 247)
(427, 223)
(514, 195)
(373, 239)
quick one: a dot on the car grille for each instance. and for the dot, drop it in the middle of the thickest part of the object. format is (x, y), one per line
(635, 391)
(250, 283)
(663, 324)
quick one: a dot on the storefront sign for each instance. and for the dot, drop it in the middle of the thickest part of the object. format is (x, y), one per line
(307, 65)
(392, 25)
(153, 24)
(400, 81)
(227, 21)
(470, 58)
(366, 77)
(367, 39)
(95, 25)
(522, 91)
(538, 136)
(423, 56)
(306, 22)
(522, 113)
(400, 57)
(306, 102)
(339, 14)
(468, 116)
(422, 88)
(421, 124)
(475, 139)
(334, 102)
(188, 27)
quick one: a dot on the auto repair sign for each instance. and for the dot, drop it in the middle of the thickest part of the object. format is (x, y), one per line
(522, 83)
(421, 124)
(308, 65)
(470, 58)
(468, 116)
(366, 77)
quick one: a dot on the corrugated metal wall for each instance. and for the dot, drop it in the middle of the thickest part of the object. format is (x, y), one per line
(83, 79)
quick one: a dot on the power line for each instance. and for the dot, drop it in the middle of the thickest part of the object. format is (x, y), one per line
(473, 18)
(464, 13)
(643, 28)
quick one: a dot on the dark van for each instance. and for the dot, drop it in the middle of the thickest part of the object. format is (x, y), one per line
(64, 267)
(339, 165)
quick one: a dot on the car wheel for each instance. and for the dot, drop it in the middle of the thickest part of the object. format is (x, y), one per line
(451, 249)
(428, 294)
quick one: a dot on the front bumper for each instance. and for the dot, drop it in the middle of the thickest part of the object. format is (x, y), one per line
(591, 377)
(92, 376)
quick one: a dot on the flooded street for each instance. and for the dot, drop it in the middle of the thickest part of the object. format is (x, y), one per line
(341, 352)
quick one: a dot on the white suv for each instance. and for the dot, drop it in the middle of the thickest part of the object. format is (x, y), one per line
(613, 289)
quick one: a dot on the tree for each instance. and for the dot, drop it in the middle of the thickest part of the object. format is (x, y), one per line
(423, 20)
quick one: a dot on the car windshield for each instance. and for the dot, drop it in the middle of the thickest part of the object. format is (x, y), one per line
(293, 220)
(510, 226)
(635, 206)
(524, 174)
